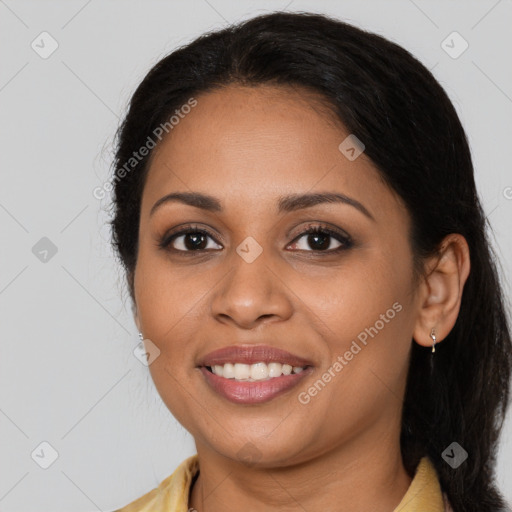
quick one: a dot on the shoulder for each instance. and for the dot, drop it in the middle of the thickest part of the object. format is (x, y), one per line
(171, 495)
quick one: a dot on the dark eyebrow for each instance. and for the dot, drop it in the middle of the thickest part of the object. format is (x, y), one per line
(196, 199)
(288, 203)
(298, 201)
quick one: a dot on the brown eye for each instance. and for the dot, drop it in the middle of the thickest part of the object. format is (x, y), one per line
(321, 239)
(189, 240)
(316, 239)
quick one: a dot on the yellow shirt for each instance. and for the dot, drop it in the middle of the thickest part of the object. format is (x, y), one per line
(423, 495)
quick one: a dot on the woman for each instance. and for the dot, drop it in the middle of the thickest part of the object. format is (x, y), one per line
(296, 212)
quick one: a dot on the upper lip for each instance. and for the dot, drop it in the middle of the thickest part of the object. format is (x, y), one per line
(250, 354)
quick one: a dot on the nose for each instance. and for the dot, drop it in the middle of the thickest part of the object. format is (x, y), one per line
(251, 293)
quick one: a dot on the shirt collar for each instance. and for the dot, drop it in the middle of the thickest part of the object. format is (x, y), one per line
(424, 492)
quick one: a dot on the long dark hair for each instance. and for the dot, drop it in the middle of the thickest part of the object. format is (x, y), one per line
(413, 135)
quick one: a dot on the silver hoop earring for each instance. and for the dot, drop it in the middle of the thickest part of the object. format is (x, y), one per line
(433, 336)
(141, 338)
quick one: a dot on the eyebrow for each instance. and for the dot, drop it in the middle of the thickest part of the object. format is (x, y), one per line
(285, 204)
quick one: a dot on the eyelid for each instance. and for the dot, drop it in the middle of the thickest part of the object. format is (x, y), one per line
(326, 227)
(183, 229)
(340, 235)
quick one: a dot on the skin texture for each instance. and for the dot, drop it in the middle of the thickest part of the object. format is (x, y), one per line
(247, 146)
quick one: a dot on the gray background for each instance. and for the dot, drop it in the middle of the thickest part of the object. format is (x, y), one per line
(68, 374)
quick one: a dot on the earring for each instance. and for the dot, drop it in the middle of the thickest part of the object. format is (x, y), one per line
(433, 336)
(140, 336)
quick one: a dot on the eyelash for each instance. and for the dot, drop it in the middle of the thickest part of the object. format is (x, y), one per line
(345, 240)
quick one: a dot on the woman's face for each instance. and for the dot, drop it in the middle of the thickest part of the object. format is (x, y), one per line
(347, 308)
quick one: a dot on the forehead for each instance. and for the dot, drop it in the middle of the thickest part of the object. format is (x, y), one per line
(256, 143)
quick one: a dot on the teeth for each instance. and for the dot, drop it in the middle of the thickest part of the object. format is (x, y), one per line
(259, 371)
(274, 369)
(242, 371)
(228, 371)
(287, 369)
(254, 372)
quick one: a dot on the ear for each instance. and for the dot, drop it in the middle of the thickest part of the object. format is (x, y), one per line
(440, 291)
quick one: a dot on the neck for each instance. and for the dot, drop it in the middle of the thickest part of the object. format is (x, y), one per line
(358, 477)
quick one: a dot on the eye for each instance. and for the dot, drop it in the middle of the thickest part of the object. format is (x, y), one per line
(320, 238)
(194, 239)
(190, 239)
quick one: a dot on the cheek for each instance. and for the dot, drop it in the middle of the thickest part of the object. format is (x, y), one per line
(364, 311)
(368, 349)
(169, 309)
(353, 295)
(166, 297)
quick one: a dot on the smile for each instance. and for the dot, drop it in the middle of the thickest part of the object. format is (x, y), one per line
(254, 391)
(254, 372)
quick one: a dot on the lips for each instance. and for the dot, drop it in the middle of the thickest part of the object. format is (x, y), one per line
(251, 393)
(250, 354)
(256, 392)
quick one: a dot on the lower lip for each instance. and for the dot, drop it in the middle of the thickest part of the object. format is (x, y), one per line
(253, 392)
